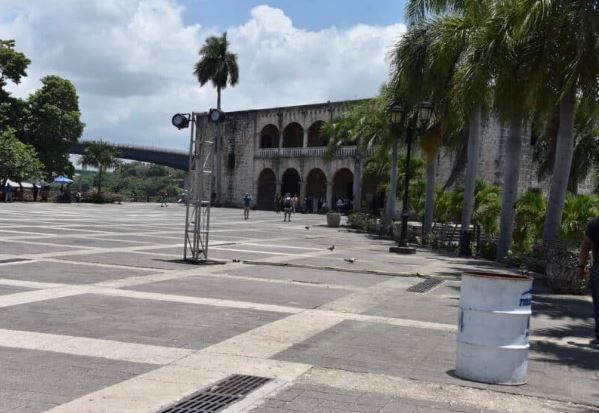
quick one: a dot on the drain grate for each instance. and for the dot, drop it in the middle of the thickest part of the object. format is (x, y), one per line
(218, 396)
(7, 260)
(425, 285)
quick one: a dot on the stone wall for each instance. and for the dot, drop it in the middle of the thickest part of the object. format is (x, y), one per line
(241, 139)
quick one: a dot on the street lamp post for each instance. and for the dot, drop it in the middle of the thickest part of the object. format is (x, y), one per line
(415, 125)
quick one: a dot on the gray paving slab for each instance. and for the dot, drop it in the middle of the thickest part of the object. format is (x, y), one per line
(9, 289)
(66, 272)
(23, 248)
(305, 397)
(35, 381)
(557, 372)
(134, 320)
(308, 275)
(304, 296)
(88, 242)
(156, 261)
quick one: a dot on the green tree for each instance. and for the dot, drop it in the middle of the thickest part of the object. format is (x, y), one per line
(12, 65)
(100, 155)
(562, 40)
(54, 123)
(367, 125)
(578, 210)
(12, 68)
(18, 161)
(217, 65)
(531, 209)
(437, 59)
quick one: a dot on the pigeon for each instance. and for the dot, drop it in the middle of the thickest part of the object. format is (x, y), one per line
(331, 248)
(307, 227)
(350, 260)
(236, 260)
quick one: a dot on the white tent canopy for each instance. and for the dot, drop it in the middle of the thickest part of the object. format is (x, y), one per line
(16, 184)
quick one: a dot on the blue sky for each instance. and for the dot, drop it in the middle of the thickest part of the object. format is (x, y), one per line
(139, 70)
(306, 14)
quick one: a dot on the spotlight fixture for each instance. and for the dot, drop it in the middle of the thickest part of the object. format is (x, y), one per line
(180, 120)
(216, 115)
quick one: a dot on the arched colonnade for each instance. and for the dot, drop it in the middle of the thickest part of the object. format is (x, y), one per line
(293, 135)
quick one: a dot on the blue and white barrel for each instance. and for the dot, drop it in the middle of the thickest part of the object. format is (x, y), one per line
(493, 328)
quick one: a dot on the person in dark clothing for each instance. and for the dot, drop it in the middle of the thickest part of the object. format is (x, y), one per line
(247, 200)
(35, 189)
(591, 243)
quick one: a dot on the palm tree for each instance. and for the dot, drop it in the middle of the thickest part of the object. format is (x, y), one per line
(562, 41)
(367, 125)
(439, 63)
(101, 155)
(217, 65)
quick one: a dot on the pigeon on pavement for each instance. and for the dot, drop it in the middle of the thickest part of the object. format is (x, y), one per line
(307, 227)
(331, 248)
(350, 260)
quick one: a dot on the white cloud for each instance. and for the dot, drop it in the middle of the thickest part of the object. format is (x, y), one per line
(132, 62)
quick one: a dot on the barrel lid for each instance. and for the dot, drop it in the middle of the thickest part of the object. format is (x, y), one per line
(504, 276)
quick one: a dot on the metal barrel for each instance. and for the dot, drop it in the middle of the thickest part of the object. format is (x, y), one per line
(493, 328)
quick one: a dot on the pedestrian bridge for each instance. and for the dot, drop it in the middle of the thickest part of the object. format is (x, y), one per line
(167, 157)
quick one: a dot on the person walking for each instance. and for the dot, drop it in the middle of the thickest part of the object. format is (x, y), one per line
(294, 203)
(163, 198)
(7, 192)
(35, 190)
(277, 202)
(591, 244)
(287, 208)
(247, 200)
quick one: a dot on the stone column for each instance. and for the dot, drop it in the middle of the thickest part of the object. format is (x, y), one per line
(329, 197)
(302, 195)
(358, 184)
(280, 139)
(305, 143)
(279, 187)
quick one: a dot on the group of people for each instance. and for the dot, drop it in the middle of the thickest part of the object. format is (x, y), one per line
(8, 193)
(311, 204)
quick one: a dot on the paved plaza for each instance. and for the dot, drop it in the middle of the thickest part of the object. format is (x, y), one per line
(99, 314)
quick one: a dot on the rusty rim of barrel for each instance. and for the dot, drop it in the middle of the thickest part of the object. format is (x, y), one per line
(484, 274)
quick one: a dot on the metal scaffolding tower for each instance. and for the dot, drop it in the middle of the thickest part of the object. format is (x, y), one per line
(199, 190)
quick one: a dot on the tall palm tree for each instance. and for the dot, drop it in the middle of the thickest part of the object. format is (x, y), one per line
(367, 125)
(101, 155)
(562, 41)
(504, 51)
(219, 66)
(439, 63)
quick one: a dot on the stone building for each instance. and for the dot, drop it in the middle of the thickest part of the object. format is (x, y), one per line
(279, 150)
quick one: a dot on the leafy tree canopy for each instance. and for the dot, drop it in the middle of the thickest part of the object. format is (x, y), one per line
(18, 161)
(12, 65)
(54, 123)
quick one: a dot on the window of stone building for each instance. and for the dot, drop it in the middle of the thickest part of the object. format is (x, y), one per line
(293, 136)
(269, 137)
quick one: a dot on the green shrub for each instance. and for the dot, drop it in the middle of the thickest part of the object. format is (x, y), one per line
(103, 198)
(531, 209)
(361, 221)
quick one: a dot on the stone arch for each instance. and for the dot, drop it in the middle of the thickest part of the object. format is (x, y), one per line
(343, 185)
(316, 184)
(267, 188)
(293, 136)
(314, 136)
(290, 182)
(269, 137)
